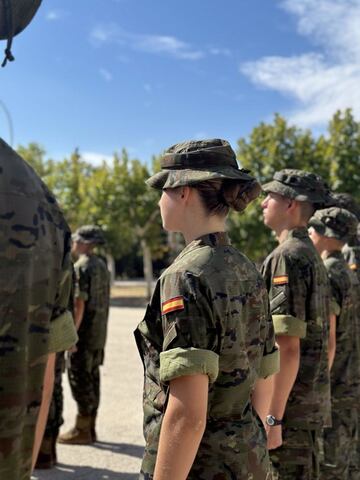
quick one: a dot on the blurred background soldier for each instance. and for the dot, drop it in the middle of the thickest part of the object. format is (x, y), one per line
(351, 252)
(35, 283)
(329, 230)
(91, 314)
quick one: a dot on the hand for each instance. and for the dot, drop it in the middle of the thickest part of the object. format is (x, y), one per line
(274, 437)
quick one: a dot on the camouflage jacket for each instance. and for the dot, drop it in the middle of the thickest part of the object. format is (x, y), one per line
(35, 283)
(344, 389)
(352, 256)
(209, 314)
(93, 286)
(300, 305)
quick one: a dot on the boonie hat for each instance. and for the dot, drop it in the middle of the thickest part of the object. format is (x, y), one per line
(347, 201)
(334, 222)
(15, 15)
(300, 185)
(89, 234)
(194, 161)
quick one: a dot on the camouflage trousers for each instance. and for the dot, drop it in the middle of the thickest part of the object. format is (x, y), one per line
(339, 445)
(355, 461)
(55, 418)
(84, 378)
(299, 456)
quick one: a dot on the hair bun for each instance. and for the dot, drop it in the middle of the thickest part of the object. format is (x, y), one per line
(238, 195)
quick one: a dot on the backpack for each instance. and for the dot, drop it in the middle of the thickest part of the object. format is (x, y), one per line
(15, 15)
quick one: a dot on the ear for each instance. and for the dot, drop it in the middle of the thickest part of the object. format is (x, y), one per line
(292, 205)
(185, 193)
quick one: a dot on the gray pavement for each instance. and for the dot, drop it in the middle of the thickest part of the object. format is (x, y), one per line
(117, 454)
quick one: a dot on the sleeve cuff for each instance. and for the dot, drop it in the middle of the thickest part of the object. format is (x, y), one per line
(179, 362)
(270, 364)
(335, 307)
(289, 325)
(82, 296)
(62, 333)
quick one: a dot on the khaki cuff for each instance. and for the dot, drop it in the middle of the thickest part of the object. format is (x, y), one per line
(335, 308)
(270, 364)
(62, 333)
(179, 362)
(289, 325)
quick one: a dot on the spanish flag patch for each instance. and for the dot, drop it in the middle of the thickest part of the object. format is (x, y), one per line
(281, 280)
(176, 303)
(353, 266)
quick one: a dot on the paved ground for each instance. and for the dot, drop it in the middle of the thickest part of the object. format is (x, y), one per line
(118, 452)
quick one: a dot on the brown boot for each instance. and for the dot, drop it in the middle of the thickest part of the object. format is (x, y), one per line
(80, 434)
(45, 459)
(93, 430)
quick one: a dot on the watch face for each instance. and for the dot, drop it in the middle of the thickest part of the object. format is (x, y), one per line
(270, 420)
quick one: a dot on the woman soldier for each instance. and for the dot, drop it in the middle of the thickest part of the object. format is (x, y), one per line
(207, 336)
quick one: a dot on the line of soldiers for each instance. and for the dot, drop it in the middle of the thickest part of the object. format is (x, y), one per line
(313, 285)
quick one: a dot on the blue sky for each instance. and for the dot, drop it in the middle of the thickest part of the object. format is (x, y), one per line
(106, 74)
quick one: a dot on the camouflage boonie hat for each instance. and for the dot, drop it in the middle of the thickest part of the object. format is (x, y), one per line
(347, 201)
(195, 161)
(334, 222)
(89, 234)
(300, 185)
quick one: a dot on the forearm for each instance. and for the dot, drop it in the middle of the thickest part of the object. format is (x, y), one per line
(182, 428)
(285, 378)
(332, 341)
(45, 405)
(79, 312)
(262, 395)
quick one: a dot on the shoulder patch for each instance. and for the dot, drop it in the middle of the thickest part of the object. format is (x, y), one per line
(353, 266)
(176, 303)
(280, 280)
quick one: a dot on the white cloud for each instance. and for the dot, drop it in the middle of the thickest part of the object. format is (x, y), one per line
(220, 51)
(54, 15)
(323, 82)
(155, 44)
(96, 158)
(106, 75)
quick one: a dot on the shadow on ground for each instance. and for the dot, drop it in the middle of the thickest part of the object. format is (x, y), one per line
(74, 472)
(123, 448)
(132, 302)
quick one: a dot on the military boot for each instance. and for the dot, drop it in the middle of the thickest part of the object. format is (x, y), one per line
(45, 459)
(93, 430)
(80, 434)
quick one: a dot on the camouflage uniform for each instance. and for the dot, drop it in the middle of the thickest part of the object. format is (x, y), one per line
(298, 288)
(93, 286)
(209, 314)
(339, 441)
(35, 283)
(351, 252)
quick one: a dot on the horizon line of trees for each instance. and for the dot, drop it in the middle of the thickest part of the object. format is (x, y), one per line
(114, 195)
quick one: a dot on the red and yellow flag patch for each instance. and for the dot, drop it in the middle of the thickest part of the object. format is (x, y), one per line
(353, 266)
(176, 303)
(281, 280)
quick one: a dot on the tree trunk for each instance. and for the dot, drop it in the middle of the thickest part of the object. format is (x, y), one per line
(148, 270)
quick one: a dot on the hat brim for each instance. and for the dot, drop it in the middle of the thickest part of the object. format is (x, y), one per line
(318, 199)
(188, 177)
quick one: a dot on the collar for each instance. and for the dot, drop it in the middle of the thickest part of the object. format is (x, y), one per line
(216, 239)
(299, 232)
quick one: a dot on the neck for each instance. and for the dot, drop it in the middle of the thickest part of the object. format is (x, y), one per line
(282, 232)
(199, 228)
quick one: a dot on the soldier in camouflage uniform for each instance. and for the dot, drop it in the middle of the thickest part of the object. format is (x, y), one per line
(329, 230)
(35, 283)
(207, 336)
(91, 315)
(300, 305)
(351, 252)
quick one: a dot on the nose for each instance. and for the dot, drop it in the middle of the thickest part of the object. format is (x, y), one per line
(265, 202)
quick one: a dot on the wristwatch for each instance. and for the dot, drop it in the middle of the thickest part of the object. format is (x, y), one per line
(272, 421)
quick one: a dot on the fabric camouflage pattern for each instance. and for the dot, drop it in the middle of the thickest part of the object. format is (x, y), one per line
(209, 314)
(299, 456)
(195, 161)
(84, 379)
(93, 286)
(335, 222)
(89, 234)
(298, 288)
(35, 283)
(300, 185)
